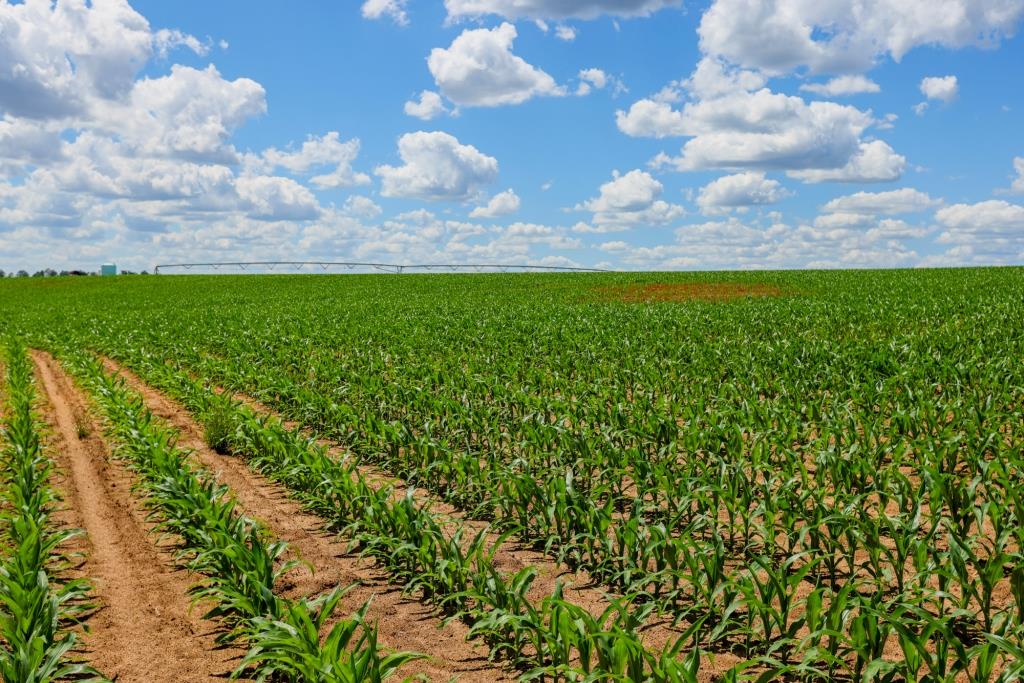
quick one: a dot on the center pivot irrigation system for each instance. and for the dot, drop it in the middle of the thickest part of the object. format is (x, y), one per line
(386, 267)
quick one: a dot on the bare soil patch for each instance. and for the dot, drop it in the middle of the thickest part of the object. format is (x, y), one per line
(685, 291)
(144, 629)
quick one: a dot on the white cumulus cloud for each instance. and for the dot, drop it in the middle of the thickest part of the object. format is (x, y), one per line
(500, 204)
(479, 70)
(275, 198)
(427, 107)
(904, 200)
(189, 113)
(319, 152)
(393, 9)
(628, 200)
(57, 57)
(764, 130)
(436, 166)
(943, 88)
(986, 232)
(651, 119)
(363, 207)
(873, 162)
(992, 217)
(735, 122)
(740, 190)
(779, 36)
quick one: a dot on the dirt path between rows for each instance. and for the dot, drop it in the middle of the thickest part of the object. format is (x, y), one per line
(404, 623)
(143, 630)
(580, 588)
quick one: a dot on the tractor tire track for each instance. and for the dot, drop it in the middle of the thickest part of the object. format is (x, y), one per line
(145, 629)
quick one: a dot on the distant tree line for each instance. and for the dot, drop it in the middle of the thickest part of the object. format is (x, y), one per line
(50, 272)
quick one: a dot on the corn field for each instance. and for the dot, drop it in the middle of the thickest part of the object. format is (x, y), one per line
(818, 478)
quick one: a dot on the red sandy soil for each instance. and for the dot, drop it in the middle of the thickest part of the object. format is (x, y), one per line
(685, 291)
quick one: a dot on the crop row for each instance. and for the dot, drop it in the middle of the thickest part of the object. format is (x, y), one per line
(826, 485)
(240, 564)
(38, 606)
(555, 640)
(847, 554)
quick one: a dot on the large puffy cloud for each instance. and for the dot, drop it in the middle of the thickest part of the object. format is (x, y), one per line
(738, 191)
(711, 79)
(734, 122)
(479, 70)
(55, 57)
(189, 113)
(556, 9)
(437, 166)
(767, 130)
(778, 36)
(122, 156)
(99, 161)
(75, 64)
(628, 200)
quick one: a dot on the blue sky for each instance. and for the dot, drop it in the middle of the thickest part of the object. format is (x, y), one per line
(634, 134)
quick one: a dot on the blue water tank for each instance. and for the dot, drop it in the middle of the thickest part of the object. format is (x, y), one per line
(108, 269)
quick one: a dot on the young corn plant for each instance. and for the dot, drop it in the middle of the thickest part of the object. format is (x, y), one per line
(38, 607)
(407, 538)
(291, 648)
(239, 562)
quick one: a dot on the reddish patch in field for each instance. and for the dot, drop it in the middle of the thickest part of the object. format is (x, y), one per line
(686, 291)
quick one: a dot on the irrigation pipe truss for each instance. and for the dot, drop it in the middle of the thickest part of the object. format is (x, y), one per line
(386, 267)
